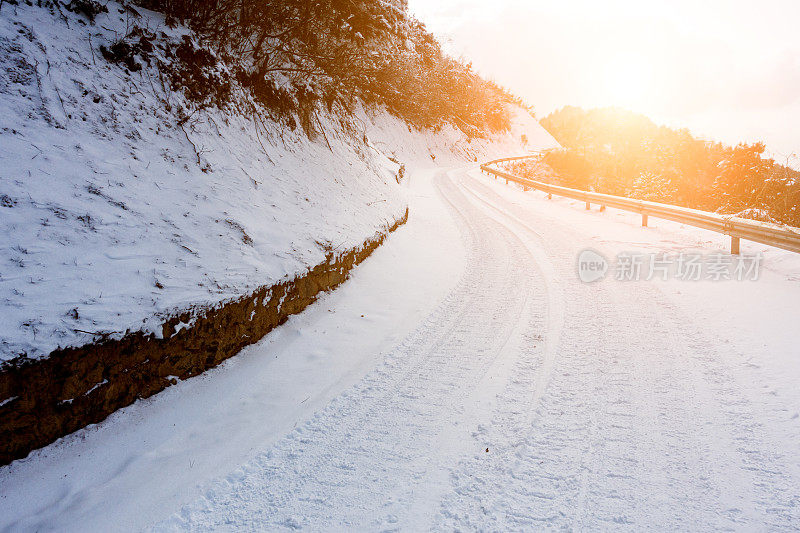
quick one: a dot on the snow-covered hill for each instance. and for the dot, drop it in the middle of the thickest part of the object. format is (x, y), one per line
(118, 211)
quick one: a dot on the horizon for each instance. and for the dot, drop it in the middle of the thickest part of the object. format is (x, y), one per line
(724, 72)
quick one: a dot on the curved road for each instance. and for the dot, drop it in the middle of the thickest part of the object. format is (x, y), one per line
(466, 379)
(526, 400)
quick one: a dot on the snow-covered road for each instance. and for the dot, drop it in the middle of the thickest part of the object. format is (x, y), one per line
(465, 378)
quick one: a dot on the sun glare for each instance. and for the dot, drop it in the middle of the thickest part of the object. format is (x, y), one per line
(628, 81)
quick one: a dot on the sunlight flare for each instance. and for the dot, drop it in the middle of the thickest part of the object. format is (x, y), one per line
(628, 80)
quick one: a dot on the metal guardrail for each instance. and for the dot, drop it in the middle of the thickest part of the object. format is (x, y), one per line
(735, 227)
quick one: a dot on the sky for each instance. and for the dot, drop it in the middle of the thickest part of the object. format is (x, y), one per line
(729, 70)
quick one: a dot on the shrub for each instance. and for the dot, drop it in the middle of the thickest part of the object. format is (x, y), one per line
(329, 52)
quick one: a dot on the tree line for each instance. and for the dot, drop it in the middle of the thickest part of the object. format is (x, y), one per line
(298, 56)
(619, 152)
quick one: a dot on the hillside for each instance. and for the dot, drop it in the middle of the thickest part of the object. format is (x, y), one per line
(619, 152)
(127, 199)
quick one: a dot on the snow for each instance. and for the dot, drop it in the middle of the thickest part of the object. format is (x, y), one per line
(115, 216)
(464, 378)
(8, 400)
(148, 459)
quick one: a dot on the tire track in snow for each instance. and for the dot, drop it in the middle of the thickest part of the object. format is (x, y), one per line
(745, 461)
(632, 432)
(603, 407)
(380, 454)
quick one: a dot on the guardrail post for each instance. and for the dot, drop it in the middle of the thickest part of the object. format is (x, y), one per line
(588, 206)
(549, 196)
(602, 208)
(734, 245)
(644, 220)
(506, 181)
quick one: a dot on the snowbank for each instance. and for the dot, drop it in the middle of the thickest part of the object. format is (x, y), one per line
(116, 216)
